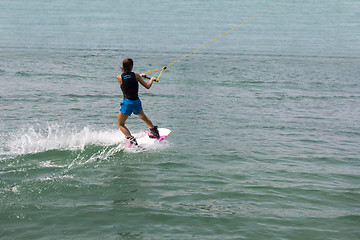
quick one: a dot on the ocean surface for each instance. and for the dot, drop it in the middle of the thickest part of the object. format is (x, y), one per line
(265, 121)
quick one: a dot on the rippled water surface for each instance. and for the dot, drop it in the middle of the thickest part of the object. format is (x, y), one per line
(265, 121)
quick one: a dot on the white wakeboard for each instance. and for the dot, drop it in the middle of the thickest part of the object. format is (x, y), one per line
(145, 141)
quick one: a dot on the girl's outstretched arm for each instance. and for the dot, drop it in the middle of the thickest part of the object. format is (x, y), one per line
(140, 79)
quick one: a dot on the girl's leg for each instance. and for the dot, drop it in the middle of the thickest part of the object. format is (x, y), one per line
(146, 120)
(121, 123)
(148, 123)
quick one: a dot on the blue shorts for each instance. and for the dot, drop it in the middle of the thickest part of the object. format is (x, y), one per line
(131, 106)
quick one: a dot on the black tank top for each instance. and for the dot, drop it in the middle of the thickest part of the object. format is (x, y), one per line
(129, 86)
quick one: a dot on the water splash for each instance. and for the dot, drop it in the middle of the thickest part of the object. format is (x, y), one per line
(36, 139)
(88, 143)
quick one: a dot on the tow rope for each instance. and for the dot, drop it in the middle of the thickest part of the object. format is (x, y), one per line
(165, 67)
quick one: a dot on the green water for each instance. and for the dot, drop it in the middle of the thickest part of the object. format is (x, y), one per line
(265, 121)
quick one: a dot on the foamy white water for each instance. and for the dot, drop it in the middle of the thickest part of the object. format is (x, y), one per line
(55, 137)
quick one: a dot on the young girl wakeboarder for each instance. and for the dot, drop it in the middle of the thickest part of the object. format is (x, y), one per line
(129, 84)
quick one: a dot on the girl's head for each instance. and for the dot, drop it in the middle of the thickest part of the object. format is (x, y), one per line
(127, 65)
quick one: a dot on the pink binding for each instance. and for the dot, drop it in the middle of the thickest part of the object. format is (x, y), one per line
(159, 139)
